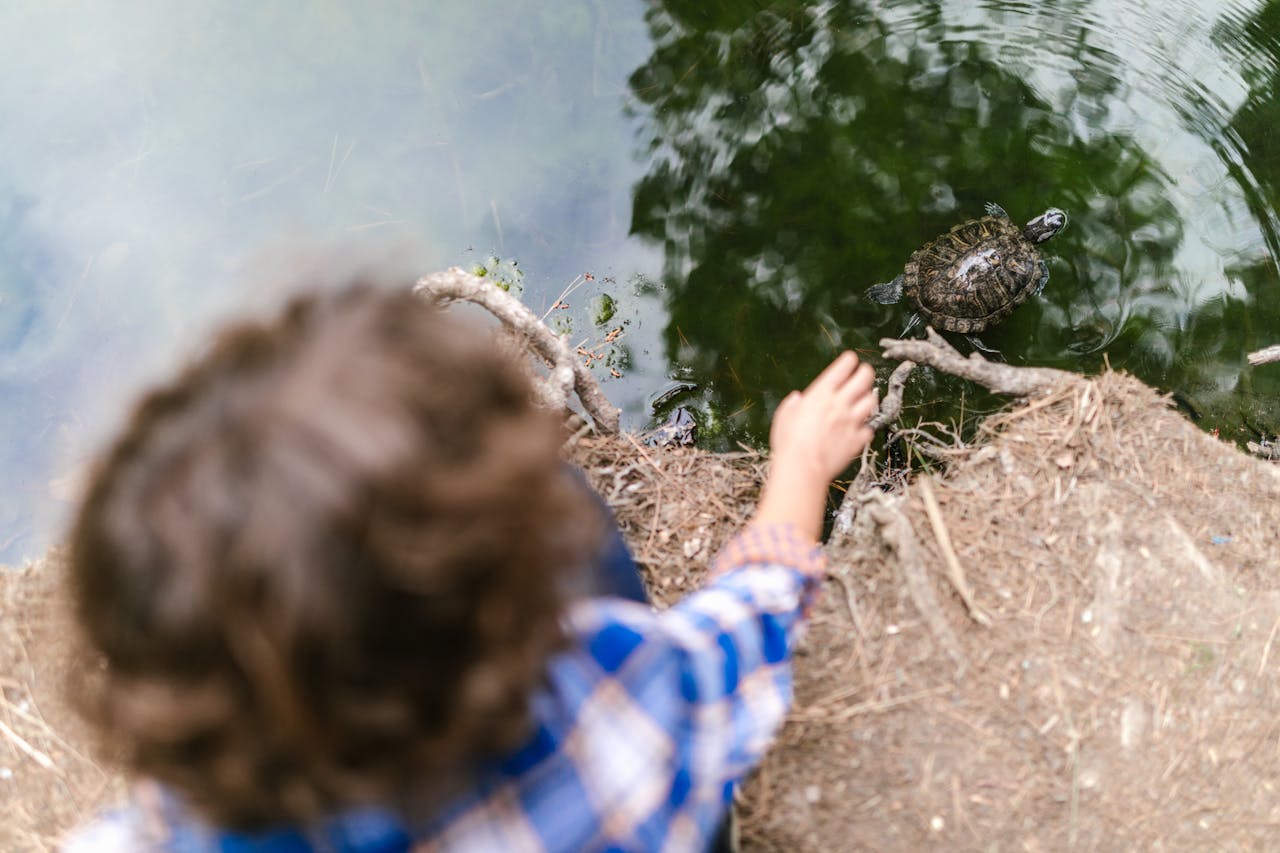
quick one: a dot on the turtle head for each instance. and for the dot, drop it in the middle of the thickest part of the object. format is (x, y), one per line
(1045, 226)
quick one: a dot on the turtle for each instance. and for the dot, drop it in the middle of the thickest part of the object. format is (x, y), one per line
(976, 274)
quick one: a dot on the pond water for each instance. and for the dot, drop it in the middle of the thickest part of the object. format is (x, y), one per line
(734, 174)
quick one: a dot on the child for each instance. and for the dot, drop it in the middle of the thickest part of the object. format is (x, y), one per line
(336, 572)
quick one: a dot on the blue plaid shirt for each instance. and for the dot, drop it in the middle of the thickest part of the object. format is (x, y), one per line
(642, 730)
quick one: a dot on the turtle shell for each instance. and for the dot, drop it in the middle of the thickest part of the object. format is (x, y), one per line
(973, 276)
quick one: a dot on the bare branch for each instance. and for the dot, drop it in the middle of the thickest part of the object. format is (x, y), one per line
(891, 405)
(842, 527)
(955, 572)
(1001, 378)
(1263, 356)
(890, 409)
(1265, 449)
(567, 373)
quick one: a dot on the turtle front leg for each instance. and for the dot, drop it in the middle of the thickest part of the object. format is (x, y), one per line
(1044, 277)
(911, 324)
(994, 209)
(994, 354)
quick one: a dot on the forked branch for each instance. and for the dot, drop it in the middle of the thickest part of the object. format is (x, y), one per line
(891, 405)
(567, 374)
(1001, 378)
(1263, 356)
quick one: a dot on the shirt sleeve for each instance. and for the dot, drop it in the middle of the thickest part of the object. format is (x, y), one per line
(735, 640)
(694, 693)
(647, 720)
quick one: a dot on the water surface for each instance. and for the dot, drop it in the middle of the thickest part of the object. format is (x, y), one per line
(735, 173)
(164, 165)
(801, 153)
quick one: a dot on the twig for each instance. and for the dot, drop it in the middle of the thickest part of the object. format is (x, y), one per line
(1266, 649)
(859, 640)
(929, 444)
(657, 513)
(578, 434)
(997, 422)
(1265, 355)
(664, 475)
(1264, 450)
(869, 707)
(954, 570)
(842, 526)
(891, 405)
(1001, 378)
(39, 720)
(890, 410)
(40, 758)
(567, 372)
(569, 288)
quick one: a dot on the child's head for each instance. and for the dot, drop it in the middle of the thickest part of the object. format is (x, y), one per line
(325, 564)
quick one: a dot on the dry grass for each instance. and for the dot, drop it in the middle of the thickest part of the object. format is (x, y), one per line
(676, 506)
(1068, 639)
(52, 778)
(1111, 682)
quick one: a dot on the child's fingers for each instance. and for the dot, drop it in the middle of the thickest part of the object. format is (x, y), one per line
(857, 434)
(854, 440)
(783, 415)
(857, 414)
(788, 403)
(858, 384)
(835, 374)
(865, 407)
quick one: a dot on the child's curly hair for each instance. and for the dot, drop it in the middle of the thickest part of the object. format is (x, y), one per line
(326, 565)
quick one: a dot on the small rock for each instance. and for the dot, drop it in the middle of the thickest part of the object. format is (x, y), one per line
(1133, 723)
(679, 430)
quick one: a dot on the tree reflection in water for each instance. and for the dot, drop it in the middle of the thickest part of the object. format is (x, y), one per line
(799, 154)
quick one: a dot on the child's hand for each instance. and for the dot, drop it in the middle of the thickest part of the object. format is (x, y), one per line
(816, 433)
(825, 427)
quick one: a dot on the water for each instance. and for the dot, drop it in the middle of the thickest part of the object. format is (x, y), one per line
(803, 153)
(735, 174)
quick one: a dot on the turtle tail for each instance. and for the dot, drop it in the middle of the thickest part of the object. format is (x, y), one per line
(886, 294)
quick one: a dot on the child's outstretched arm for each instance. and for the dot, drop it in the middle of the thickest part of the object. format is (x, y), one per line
(816, 433)
(689, 698)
